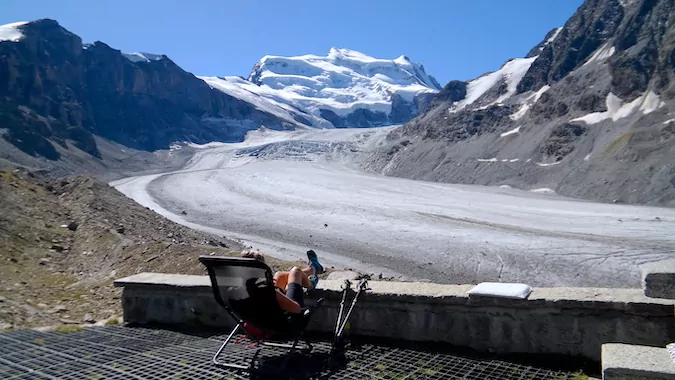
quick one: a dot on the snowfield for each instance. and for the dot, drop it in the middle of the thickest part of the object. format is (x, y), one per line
(286, 192)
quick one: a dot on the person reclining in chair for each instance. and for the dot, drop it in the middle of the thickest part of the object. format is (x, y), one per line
(289, 284)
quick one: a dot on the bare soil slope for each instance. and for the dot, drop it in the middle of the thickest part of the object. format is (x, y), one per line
(63, 242)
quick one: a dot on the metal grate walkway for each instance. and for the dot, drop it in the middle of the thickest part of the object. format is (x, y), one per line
(116, 352)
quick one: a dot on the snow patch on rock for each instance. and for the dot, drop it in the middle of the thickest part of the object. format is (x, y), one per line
(616, 109)
(261, 97)
(554, 36)
(142, 57)
(511, 132)
(529, 102)
(512, 73)
(651, 103)
(544, 164)
(605, 51)
(12, 32)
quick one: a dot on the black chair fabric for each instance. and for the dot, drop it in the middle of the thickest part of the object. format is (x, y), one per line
(245, 288)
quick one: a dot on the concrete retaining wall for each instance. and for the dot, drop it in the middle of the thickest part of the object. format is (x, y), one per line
(629, 362)
(569, 321)
(658, 279)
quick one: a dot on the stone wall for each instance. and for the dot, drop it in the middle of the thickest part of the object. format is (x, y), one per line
(568, 321)
(658, 279)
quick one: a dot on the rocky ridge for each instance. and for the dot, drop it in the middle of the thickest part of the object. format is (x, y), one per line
(56, 94)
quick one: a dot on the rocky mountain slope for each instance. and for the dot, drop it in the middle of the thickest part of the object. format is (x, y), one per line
(63, 243)
(346, 88)
(56, 94)
(589, 112)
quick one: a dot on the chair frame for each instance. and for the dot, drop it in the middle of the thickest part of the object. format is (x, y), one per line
(210, 262)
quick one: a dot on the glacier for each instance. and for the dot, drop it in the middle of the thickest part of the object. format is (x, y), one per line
(287, 191)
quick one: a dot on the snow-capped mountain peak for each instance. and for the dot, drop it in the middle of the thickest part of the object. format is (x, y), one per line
(343, 88)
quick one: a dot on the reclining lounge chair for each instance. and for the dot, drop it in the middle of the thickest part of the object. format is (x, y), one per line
(244, 287)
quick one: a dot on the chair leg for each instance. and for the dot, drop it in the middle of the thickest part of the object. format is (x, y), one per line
(289, 354)
(295, 344)
(220, 350)
(291, 347)
(309, 346)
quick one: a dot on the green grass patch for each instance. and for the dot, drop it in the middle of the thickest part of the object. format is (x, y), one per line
(68, 329)
(10, 177)
(617, 144)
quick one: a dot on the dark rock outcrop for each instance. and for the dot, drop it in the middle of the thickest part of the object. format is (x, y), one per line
(594, 23)
(334, 118)
(459, 126)
(645, 44)
(535, 51)
(401, 111)
(364, 118)
(561, 140)
(454, 91)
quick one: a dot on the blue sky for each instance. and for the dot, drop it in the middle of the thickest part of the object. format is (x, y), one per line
(454, 39)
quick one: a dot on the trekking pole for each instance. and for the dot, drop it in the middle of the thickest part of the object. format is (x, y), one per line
(363, 286)
(345, 287)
